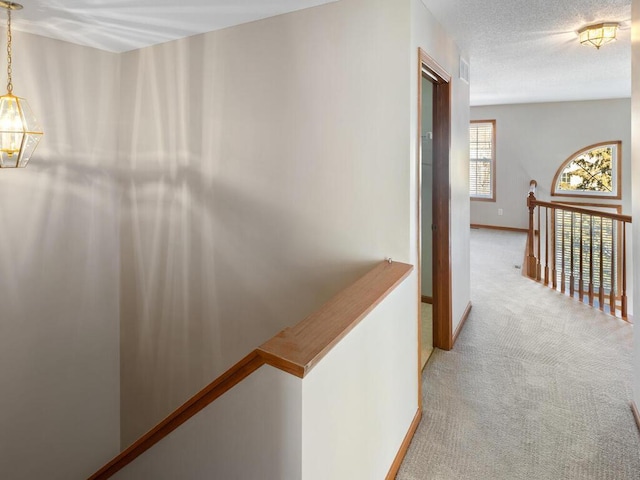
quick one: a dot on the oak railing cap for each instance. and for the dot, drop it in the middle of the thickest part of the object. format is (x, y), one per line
(584, 211)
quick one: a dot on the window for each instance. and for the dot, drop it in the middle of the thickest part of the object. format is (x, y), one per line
(482, 160)
(592, 172)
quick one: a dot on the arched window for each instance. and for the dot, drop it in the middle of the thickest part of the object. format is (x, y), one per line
(592, 172)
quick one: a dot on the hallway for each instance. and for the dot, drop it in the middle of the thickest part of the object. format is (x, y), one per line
(537, 387)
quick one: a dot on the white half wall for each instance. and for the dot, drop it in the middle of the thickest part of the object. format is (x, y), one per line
(253, 431)
(59, 269)
(428, 34)
(359, 401)
(533, 140)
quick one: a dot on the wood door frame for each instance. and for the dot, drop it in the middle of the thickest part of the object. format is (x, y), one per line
(442, 303)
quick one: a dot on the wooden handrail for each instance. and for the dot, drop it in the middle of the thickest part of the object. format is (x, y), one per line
(531, 258)
(295, 350)
(586, 260)
(584, 211)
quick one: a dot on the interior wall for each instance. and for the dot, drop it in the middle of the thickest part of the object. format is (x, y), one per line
(427, 188)
(533, 140)
(59, 329)
(357, 404)
(253, 431)
(428, 34)
(635, 120)
(267, 167)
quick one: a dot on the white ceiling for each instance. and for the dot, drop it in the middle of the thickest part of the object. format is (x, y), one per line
(520, 50)
(123, 25)
(525, 51)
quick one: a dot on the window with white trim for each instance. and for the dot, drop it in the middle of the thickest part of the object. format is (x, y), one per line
(482, 160)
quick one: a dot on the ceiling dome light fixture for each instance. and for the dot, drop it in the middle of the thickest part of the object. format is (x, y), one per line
(19, 129)
(599, 34)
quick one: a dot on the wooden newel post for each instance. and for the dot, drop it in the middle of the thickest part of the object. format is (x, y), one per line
(531, 259)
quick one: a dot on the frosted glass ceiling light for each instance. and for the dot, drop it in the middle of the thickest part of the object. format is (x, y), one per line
(598, 35)
(19, 129)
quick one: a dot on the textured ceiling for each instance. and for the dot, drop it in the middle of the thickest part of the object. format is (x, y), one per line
(122, 25)
(525, 51)
(520, 50)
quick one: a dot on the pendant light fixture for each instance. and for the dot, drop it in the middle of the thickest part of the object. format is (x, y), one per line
(19, 129)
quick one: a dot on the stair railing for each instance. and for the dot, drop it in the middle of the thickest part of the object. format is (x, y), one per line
(295, 350)
(579, 251)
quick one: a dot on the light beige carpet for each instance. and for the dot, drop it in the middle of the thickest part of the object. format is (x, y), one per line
(537, 387)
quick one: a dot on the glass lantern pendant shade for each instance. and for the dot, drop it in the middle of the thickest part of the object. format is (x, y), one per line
(19, 129)
(19, 132)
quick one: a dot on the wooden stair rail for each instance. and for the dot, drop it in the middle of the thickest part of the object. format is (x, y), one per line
(531, 258)
(295, 350)
(588, 249)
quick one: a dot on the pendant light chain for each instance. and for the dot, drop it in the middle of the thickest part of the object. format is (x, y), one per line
(9, 71)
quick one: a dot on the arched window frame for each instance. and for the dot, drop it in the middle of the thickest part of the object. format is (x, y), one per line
(616, 170)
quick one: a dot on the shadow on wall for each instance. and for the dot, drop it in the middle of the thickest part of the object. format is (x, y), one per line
(224, 236)
(205, 198)
(59, 340)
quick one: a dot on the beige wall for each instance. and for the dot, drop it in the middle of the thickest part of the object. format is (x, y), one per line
(427, 34)
(253, 431)
(258, 171)
(268, 166)
(533, 140)
(635, 115)
(59, 340)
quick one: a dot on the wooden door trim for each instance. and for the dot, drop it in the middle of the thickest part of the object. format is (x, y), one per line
(442, 302)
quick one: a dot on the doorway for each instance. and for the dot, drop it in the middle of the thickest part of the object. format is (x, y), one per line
(434, 256)
(426, 265)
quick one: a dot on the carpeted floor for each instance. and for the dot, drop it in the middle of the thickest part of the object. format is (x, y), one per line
(537, 387)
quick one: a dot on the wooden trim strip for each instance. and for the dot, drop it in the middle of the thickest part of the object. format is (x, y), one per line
(426, 299)
(636, 413)
(496, 227)
(465, 316)
(395, 466)
(616, 206)
(442, 302)
(433, 69)
(298, 349)
(207, 395)
(584, 211)
(430, 70)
